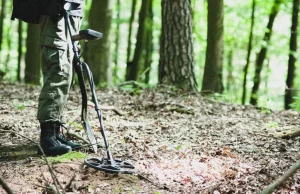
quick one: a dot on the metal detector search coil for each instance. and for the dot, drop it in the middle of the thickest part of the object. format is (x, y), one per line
(106, 165)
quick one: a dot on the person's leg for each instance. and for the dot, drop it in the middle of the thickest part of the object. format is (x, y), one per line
(75, 23)
(57, 71)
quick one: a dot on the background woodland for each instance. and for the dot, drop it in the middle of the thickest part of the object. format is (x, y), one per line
(241, 52)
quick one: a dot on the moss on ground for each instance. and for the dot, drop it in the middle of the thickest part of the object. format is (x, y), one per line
(67, 157)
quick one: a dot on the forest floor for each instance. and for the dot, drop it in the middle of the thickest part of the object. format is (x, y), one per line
(178, 142)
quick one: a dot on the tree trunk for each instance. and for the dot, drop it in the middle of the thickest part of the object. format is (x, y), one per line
(32, 57)
(176, 63)
(20, 53)
(212, 79)
(149, 43)
(131, 20)
(2, 17)
(8, 42)
(99, 55)
(134, 66)
(230, 79)
(117, 40)
(263, 52)
(248, 53)
(289, 91)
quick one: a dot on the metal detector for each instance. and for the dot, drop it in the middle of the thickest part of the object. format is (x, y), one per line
(108, 163)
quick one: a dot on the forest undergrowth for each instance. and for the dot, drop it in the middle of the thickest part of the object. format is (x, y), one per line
(179, 143)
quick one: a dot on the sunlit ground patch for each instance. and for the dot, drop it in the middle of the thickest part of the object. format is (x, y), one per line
(194, 170)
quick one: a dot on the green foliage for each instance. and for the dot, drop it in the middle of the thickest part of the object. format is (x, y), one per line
(21, 105)
(265, 110)
(131, 89)
(117, 189)
(67, 157)
(77, 125)
(178, 147)
(134, 87)
(272, 124)
(296, 104)
(220, 97)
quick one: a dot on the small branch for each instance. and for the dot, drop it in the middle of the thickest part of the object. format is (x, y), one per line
(268, 136)
(70, 184)
(291, 89)
(132, 83)
(182, 110)
(69, 133)
(269, 189)
(145, 178)
(5, 186)
(114, 109)
(91, 144)
(55, 180)
(291, 133)
(173, 107)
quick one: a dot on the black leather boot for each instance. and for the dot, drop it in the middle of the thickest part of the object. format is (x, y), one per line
(61, 138)
(49, 143)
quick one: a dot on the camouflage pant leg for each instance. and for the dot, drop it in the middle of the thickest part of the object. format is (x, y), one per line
(56, 60)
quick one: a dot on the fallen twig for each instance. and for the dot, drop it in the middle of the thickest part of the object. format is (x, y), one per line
(55, 180)
(70, 183)
(264, 135)
(286, 134)
(145, 178)
(90, 144)
(77, 137)
(5, 186)
(114, 109)
(269, 189)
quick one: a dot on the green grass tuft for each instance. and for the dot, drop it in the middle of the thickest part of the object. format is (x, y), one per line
(67, 157)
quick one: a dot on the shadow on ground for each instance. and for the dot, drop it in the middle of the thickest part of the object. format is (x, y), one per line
(17, 152)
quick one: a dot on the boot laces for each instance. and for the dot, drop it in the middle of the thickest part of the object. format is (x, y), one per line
(62, 135)
(53, 141)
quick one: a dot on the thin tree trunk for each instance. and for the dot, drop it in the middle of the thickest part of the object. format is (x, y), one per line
(134, 66)
(230, 69)
(131, 20)
(117, 40)
(263, 52)
(289, 92)
(8, 39)
(99, 55)
(212, 78)
(149, 43)
(266, 76)
(20, 53)
(2, 17)
(32, 57)
(248, 53)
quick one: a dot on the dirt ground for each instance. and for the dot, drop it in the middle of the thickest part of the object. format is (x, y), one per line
(178, 142)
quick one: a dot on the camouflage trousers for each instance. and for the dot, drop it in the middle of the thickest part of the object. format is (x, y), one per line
(56, 60)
